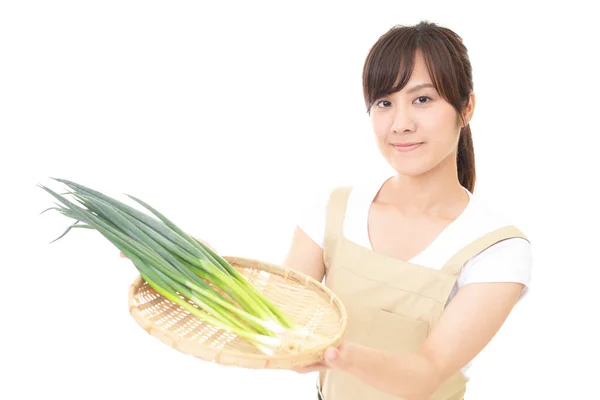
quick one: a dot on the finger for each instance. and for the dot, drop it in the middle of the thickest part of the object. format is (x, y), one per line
(303, 371)
(310, 368)
(123, 255)
(341, 358)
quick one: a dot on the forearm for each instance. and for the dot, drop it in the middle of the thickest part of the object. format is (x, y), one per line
(465, 328)
(411, 376)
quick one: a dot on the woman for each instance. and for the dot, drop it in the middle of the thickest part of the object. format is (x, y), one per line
(427, 272)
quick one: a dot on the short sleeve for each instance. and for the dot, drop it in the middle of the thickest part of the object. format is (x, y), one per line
(508, 261)
(312, 219)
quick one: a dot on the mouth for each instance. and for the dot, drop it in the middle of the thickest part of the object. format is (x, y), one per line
(408, 146)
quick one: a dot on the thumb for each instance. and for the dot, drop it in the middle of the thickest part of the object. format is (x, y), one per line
(333, 357)
(342, 357)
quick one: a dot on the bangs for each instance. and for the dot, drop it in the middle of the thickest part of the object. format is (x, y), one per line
(390, 64)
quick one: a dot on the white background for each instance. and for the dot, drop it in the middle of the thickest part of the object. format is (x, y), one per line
(230, 117)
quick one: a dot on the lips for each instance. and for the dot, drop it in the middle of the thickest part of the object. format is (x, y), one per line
(408, 146)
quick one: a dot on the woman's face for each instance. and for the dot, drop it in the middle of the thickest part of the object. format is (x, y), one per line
(417, 129)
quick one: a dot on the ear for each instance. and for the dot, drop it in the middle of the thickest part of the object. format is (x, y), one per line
(469, 109)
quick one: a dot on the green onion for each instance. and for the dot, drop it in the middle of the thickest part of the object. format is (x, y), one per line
(183, 269)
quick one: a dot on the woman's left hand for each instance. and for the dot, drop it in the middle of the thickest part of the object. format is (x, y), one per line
(316, 367)
(332, 358)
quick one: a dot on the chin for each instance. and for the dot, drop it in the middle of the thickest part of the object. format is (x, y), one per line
(410, 169)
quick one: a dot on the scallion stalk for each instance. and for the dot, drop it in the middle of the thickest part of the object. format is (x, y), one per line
(183, 269)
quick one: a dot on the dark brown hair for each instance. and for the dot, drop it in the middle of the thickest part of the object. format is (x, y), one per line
(389, 65)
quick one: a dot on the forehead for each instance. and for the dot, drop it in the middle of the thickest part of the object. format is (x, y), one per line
(419, 74)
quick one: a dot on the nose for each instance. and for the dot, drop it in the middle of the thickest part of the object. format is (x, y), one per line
(403, 120)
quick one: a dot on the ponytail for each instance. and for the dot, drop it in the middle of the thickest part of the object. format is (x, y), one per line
(465, 159)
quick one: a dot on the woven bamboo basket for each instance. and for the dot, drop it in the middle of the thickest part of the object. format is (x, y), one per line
(308, 302)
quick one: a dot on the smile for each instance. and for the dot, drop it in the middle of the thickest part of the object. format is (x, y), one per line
(405, 147)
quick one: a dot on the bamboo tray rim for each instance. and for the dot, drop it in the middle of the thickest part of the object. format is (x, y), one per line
(244, 263)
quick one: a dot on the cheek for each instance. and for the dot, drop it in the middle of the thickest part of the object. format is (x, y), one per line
(441, 127)
(378, 126)
(435, 120)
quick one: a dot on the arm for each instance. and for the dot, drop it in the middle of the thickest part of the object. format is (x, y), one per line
(305, 256)
(468, 324)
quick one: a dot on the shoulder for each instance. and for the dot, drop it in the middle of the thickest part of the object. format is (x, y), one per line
(484, 217)
(312, 217)
(481, 218)
(509, 260)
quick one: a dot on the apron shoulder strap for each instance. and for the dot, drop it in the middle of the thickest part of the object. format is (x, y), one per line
(336, 210)
(455, 264)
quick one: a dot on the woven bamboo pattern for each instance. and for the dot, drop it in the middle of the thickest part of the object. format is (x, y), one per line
(308, 302)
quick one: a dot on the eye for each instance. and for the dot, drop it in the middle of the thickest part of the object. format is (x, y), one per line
(382, 101)
(423, 99)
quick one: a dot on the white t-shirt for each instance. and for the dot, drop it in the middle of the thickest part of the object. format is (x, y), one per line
(508, 261)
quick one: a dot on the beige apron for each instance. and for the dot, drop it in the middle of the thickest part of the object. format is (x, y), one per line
(392, 305)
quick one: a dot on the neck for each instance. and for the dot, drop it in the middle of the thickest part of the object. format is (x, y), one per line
(433, 192)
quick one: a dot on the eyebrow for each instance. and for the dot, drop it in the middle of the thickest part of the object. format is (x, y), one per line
(419, 87)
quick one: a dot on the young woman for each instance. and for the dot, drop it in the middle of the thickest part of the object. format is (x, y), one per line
(427, 272)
